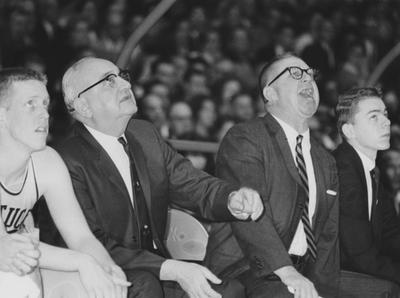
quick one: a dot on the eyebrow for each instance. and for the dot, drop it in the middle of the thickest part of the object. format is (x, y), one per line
(377, 111)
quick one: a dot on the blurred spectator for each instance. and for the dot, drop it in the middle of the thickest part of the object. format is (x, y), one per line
(226, 89)
(181, 120)
(353, 72)
(112, 35)
(242, 107)
(319, 54)
(153, 109)
(389, 163)
(208, 48)
(204, 116)
(195, 84)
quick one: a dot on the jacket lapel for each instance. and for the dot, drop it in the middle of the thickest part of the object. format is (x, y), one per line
(106, 166)
(321, 204)
(277, 131)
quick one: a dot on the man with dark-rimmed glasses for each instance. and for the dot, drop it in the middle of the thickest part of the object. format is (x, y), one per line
(125, 177)
(293, 248)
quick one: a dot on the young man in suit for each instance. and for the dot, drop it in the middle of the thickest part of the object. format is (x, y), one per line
(125, 178)
(369, 228)
(294, 246)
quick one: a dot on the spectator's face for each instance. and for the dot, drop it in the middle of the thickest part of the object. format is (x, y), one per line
(392, 169)
(154, 109)
(296, 99)
(79, 35)
(181, 119)
(207, 113)
(26, 115)
(161, 90)
(197, 84)
(240, 41)
(242, 108)
(286, 38)
(166, 73)
(370, 128)
(230, 88)
(111, 99)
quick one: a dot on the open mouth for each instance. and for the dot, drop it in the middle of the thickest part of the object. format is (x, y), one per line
(42, 129)
(307, 92)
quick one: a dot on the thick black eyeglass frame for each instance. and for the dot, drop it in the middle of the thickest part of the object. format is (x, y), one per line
(124, 74)
(303, 70)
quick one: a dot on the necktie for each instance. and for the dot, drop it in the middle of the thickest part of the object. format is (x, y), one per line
(140, 208)
(374, 185)
(301, 165)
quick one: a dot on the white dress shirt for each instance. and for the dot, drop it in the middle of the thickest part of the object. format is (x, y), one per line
(368, 165)
(116, 152)
(299, 242)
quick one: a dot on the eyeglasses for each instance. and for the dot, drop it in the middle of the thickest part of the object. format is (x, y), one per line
(297, 73)
(111, 79)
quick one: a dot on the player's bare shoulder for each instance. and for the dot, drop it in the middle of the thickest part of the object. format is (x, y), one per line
(48, 165)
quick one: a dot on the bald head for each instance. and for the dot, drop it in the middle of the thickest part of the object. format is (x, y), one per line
(79, 76)
(270, 70)
(99, 95)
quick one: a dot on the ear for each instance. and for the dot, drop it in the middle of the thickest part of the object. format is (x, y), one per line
(82, 108)
(269, 95)
(348, 130)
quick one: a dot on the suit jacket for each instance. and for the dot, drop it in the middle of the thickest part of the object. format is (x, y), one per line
(256, 154)
(166, 178)
(367, 246)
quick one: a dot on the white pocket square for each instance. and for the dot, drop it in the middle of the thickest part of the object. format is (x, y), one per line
(331, 192)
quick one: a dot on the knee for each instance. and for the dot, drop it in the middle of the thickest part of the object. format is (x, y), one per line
(144, 284)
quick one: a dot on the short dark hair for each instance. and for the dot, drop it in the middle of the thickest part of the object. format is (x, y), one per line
(17, 74)
(263, 75)
(347, 104)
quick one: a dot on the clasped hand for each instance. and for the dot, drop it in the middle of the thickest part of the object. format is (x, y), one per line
(193, 278)
(244, 203)
(19, 253)
(102, 281)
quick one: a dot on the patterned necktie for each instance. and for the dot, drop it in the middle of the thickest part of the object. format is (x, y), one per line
(301, 165)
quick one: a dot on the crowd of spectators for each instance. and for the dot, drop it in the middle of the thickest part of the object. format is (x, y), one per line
(195, 72)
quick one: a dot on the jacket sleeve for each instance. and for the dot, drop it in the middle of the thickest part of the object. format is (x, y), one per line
(240, 161)
(193, 189)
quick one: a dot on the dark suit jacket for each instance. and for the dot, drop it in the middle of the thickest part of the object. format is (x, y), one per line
(371, 247)
(166, 178)
(256, 154)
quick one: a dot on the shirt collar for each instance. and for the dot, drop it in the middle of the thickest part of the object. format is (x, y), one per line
(104, 139)
(291, 134)
(367, 163)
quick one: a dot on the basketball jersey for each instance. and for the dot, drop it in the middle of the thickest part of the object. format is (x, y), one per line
(15, 208)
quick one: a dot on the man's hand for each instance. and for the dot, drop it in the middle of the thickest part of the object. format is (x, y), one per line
(301, 286)
(119, 278)
(18, 254)
(244, 203)
(191, 277)
(99, 283)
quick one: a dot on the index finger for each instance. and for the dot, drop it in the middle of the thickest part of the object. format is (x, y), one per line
(21, 238)
(120, 281)
(209, 292)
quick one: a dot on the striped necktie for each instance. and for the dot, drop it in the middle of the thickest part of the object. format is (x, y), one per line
(301, 165)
